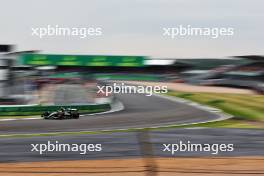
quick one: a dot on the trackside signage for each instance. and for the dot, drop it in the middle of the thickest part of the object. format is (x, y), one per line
(81, 60)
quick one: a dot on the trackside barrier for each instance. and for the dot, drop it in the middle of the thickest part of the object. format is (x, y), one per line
(39, 109)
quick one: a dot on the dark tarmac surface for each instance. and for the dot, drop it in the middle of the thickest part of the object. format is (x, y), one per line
(125, 145)
(140, 111)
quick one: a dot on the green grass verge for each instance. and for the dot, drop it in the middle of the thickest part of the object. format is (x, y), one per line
(248, 110)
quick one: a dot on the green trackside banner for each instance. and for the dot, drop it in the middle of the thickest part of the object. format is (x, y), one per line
(81, 60)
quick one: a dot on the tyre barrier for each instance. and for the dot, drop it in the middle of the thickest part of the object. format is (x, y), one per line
(25, 110)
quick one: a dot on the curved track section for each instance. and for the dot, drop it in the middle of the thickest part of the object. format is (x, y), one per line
(140, 111)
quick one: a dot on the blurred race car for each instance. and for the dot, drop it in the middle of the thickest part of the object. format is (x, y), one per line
(62, 114)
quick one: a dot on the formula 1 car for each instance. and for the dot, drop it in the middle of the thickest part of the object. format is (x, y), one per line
(62, 114)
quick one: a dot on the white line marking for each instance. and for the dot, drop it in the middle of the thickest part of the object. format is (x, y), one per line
(115, 107)
(12, 119)
(222, 115)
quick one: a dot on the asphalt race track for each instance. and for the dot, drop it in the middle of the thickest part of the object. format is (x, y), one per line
(126, 145)
(140, 111)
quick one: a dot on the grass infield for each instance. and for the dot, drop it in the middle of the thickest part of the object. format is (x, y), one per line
(248, 110)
